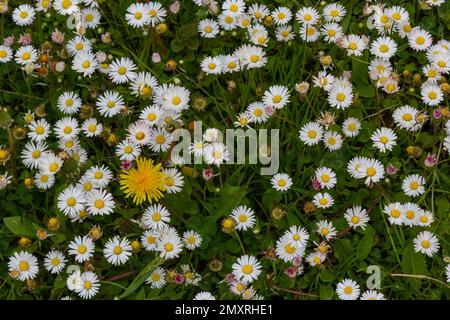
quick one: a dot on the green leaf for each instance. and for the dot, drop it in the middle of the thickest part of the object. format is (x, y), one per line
(364, 246)
(20, 226)
(412, 262)
(326, 293)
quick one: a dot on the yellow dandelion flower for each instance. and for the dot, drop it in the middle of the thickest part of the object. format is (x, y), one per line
(144, 183)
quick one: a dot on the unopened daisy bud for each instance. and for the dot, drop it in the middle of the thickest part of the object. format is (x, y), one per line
(270, 254)
(112, 139)
(215, 265)
(53, 224)
(171, 65)
(60, 66)
(421, 118)
(430, 160)
(176, 81)
(106, 38)
(135, 245)
(445, 87)
(5, 155)
(24, 242)
(89, 266)
(207, 174)
(309, 207)
(95, 233)
(161, 28)
(14, 274)
(191, 172)
(87, 111)
(437, 113)
(259, 91)
(406, 73)
(326, 61)
(446, 259)
(29, 68)
(200, 103)
(42, 234)
(170, 276)
(445, 112)
(231, 85)
(31, 284)
(19, 132)
(228, 225)
(278, 213)
(417, 78)
(291, 272)
(28, 182)
(179, 278)
(302, 87)
(391, 169)
(297, 262)
(268, 21)
(360, 25)
(410, 150)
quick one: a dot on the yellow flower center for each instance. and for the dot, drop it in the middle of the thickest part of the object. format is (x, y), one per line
(153, 13)
(3, 54)
(258, 112)
(426, 244)
(44, 179)
(395, 213)
(414, 185)
(217, 154)
(247, 269)
(254, 58)
(325, 231)
(82, 249)
(384, 140)
(355, 219)
(323, 201)
(87, 285)
(243, 218)
(229, 19)
(26, 56)
(151, 239)
(98, 175)
(24, 14)
(92, 128)
(307, 17)
(396, 16)
(371, 171)
(55, 262)
(331, 32)
(110, 104)
(424, 219)
(36, 154)
(384, 48)
(66, 4)
(312, 134)
(289, 249)
(281, 182)
(99, 204)
(169, 181)
(156, 277)
(67, 130)
(117, 250)
(53, 167)
(79, 46)
(168, 247)
(296, 237)
(138, 15)
(89, 17)
(208, 29)
(122, 70)
(86, 64)
(352, 45)
(334, 13)
(407, 117)
(71, 201)
(176, 100)
(24, 266)
(156, 217)
(410, 214)
(420, 40)
(348, 290)
(384, 19)
(140, 135)
(234, 7)
(325, 177)
(128, 149)
(432, 95)
(340, 97)
(281, 15)
(87, 186)
(331, 141)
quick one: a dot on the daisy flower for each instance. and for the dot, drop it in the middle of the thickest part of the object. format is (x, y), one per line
(122, 70)
(405, 117)
(204, 295)
(257, 112)
(340, 96)
(395, 213)
(143, 85)
(99, 176)
(258, 11)
(169, 245)
(411, 214)
(32, 153)
(85, 63)
(419, 39)
(398, 14)
(384, 139)
(71, 201)
(148, 239)
(43, 5)
(326, 177)
(91, 128)
(246, 269)
(323, 200)
(244, 218)
(284, 33)
(54, 261)
(91, 17)
(351, 127)
(69, 102)
(216, 153)
(372, 295)
(208, 28)
(157, 278)
(23, 15)
(127, 151)
(326, 229)
(311, 133)
(383, 47)
(156, 13)
(74, 281)
(139, 133)
(334, 12)
(172, 97)
(50, 164)
(307, 15)
(413, 185)
(100, 202)
(332, 140)
(442, 62)
(315, 258)
(25, 55)
(192, 240)
(117, 251)
(151, 114)
(432, 94)
(354, 44)
(309, 33)
(109, 104)
(372, 170)
(66, 7)
(137, 16)
(160, 140)
(78, 44)
(348, 289)
(24, 265)
(286, 250)
(174, 181)
(82, 248)
(281, 182)
(233, 7)
(298, 236)
(332, 32)
(5, 54)
(44, 181)
(227, 21)
(357, 217)
(425, 218)
(426, 243)
(156, 217)
(276, 97)
(211, 65)
(281, 15)
(90, 284)
(251, 56)
(66, 128)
